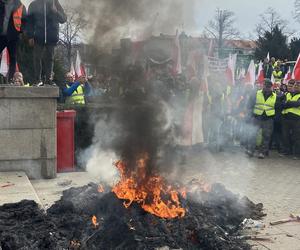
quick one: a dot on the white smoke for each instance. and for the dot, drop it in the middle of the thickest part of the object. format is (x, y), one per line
(100, 165)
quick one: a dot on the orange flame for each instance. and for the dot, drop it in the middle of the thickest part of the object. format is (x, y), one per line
(94, 221)
(148, 191)
(100, 188)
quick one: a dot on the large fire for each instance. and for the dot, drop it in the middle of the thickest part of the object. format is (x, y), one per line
(152, 192)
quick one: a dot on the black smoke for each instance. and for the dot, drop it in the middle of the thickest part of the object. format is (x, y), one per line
(140, 126)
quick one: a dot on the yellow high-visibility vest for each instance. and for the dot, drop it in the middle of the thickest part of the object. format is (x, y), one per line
(278, 76)
(262, 105)
(295, 110)
(77, 97)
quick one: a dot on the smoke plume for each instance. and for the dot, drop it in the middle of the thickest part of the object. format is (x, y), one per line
(111, 20)
(140, 127)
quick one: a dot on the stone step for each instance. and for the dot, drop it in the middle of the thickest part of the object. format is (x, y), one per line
(15, 187)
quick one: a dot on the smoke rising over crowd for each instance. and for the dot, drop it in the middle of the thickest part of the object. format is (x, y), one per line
(112, 20)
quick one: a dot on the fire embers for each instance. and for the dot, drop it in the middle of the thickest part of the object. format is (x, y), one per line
(152, 192)
(101, 189)
(95, 222)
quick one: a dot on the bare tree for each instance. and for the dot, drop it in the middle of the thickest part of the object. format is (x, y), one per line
(222, 27)
(71, 31)
(297, 10)
(269, 20)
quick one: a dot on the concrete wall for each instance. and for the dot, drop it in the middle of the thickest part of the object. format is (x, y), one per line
(28, 130)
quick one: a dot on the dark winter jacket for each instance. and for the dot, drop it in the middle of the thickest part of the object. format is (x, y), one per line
(43, 21)
(268, 70)
(7, 27)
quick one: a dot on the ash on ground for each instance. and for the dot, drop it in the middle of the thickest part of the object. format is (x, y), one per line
(212, 222)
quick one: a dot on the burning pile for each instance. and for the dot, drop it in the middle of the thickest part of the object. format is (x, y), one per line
(85, 218)
(151, 192)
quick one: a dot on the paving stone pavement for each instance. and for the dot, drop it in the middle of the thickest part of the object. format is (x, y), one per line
(274, 181)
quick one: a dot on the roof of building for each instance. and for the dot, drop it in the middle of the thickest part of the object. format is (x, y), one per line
(241, 44)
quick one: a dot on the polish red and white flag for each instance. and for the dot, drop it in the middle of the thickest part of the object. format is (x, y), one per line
(260, 74)
(177, 69)
(4, 67)
(230, 71)
(79, 67)
(72, 69)
(288, 76)
(250, 76)
(296, 71)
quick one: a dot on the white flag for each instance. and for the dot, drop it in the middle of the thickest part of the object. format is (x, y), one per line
(4, 68)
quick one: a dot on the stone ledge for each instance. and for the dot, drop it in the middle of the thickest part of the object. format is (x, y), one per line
(35, 169)
(8, 91)
(21, 113)
(27, 144)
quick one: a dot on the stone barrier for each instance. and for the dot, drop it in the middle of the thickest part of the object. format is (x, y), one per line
(28, 130)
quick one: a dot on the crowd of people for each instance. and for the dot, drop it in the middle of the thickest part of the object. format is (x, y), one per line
(40, 26)
(261, 117)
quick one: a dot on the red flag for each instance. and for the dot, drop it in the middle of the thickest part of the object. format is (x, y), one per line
(296, 71)
(260, 74)
(17, 67)
(230, 71)
(250, 76)
(79, 67)
(288, 76)
(177, 56)
(72, 69)
(193, 62)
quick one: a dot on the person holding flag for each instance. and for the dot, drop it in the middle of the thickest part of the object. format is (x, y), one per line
(12, 23)
(76, 90)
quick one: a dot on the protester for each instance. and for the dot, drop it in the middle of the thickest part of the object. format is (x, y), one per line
(273, 62)
(216, 97)
(267, 68)
(75, 91)
(44, 17)
(276, 137)
(291, 121)
(18, 80)
(12, 23)
(263, 105)
(278, 74)
(70, 78)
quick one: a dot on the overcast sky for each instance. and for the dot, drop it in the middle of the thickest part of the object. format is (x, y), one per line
(247, 12)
